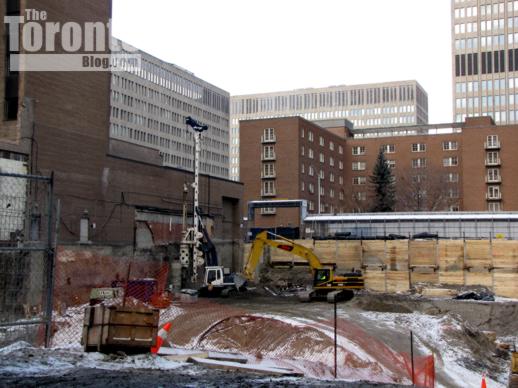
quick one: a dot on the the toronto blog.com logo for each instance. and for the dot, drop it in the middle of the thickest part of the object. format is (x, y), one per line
(37, 44)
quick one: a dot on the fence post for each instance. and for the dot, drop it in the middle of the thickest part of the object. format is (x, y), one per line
(50, 263)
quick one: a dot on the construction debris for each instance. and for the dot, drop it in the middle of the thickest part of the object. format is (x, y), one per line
(235, 366)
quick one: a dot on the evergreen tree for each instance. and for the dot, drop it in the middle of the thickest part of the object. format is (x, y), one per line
(383, 185)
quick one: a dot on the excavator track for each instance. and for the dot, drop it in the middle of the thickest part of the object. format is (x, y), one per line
(340, 296)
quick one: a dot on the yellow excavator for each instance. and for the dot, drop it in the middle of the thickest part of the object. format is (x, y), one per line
(326, 284)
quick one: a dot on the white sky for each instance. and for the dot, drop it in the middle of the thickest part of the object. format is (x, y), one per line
(252, 46)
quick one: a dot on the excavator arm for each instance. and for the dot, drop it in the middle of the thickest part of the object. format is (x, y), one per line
(280, 243)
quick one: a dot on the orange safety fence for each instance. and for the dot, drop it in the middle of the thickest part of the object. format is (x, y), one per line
(424, 370)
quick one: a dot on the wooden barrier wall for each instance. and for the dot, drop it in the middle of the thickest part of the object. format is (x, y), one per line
(393, 266)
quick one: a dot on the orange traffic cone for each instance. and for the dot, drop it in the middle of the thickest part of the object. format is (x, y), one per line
(162, 335)
(484, 385)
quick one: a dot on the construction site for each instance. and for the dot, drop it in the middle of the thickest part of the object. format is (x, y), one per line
(128, 258)
(384, 312)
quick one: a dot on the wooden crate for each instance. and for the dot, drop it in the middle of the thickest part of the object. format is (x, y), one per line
(113, 328)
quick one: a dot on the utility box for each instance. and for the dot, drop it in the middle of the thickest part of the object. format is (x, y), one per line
(110, 329)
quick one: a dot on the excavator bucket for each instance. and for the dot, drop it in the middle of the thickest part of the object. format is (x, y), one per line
(239, 280)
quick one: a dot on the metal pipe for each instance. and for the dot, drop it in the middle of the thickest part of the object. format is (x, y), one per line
(50, 263)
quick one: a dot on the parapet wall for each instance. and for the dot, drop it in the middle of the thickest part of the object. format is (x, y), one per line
(397, 265)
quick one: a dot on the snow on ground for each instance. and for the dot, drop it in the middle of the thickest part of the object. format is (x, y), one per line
(21, 359)
(433, 334)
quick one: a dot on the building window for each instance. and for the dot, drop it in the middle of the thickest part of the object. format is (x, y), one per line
(359, 166)
(302, 133)
(311, 206)
(358, 150)
(361, 196)
(359, 180)
(332, 161)
(311, 171)
(493, 192)
(322, 142)
(493, 157)
(268, 188)
(494, 207)
(322, 158)
(322, 175)
(389, 148)
(269, 170)
(450, 162)
(452, 177)
(302, 151)
(391, 164)
(419, 163)
(331, 177)
(311, 188)
(310, 136)
(340, 165)
(303, 186)
(303, 168)
(269, 135)
(493, 175)
(418, 147)
(268, 152)
(311, 154)
(450, 145)
(341, 180)
(341, 195)
(453, 192)
(331, 146)
(492, 141)
(340, 150)
(331, 193)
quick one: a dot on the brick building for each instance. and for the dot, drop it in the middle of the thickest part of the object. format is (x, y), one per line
(467, 166)
(366, 106)
(59, 122)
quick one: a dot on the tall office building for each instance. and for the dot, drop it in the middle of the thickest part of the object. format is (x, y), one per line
(366, 106)
(485, 59)
(149, 105)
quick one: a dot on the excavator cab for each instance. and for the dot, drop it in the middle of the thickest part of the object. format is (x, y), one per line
(322, 276)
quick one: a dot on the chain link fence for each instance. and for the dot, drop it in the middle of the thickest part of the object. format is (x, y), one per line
(26, 257)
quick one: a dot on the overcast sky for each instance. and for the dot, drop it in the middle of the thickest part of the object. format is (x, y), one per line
(252, 46)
